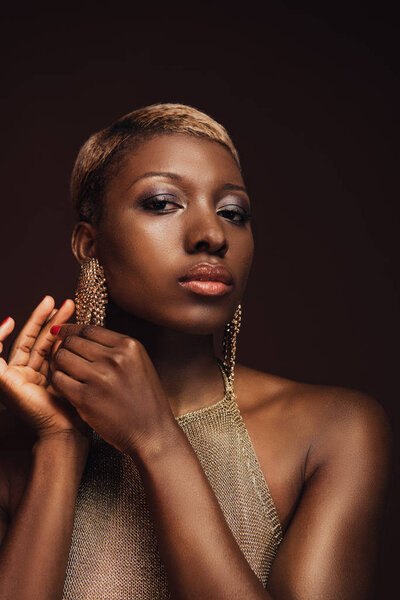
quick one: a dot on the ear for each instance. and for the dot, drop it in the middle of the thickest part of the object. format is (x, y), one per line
(83, 242)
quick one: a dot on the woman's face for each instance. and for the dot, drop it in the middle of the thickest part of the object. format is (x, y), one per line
(176, 201)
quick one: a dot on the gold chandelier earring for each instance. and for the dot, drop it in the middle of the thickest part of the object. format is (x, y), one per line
(229, 344)
(91, 294)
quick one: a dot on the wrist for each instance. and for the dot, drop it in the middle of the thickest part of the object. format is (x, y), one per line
(149, 449)
(64, 446)
(69, 437)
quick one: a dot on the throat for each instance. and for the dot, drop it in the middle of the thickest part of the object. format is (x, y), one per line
(200, 393)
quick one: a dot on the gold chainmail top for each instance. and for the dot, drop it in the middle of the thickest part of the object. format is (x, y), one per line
(114, 553)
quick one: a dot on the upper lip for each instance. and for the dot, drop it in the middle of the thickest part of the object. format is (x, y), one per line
(207, 272)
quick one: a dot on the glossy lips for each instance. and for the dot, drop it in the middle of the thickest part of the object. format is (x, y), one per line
(207, 280)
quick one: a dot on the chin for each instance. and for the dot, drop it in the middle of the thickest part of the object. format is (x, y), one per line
(204, 320)
(192, 318)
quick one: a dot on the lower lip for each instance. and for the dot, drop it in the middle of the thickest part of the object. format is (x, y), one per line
(207, 288)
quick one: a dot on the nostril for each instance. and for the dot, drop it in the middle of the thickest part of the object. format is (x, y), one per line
(217, 248)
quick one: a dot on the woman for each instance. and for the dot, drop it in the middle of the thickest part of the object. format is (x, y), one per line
(134, 461)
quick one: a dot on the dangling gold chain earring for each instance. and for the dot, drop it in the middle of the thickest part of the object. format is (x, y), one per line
(229, 344)
(91, 294)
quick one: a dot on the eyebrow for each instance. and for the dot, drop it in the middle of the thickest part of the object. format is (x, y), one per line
(234, 186)
(176, 177)
(155, 174)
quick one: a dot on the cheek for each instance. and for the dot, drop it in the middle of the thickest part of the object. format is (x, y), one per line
(142, 263)
(137, 261)
(242, 256)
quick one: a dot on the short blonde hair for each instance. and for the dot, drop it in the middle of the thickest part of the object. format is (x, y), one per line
(93, 166)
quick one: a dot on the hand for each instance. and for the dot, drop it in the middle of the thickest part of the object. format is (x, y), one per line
(24, 379)
(110, 380)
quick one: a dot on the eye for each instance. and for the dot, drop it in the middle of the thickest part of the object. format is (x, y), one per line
(235, 213)
(157, 203)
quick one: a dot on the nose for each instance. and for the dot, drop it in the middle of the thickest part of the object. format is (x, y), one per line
(205, 231)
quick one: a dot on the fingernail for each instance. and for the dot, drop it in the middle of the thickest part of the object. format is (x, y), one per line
(63, 304)
(55, 329)
(4, 321)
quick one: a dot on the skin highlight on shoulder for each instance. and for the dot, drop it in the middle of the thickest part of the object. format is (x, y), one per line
(322, 405)
(296, 428)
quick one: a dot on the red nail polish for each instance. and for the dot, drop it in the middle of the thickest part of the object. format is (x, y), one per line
(4, 321)
(55, 329)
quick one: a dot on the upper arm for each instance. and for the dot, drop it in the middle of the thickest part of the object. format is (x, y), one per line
(330, 548)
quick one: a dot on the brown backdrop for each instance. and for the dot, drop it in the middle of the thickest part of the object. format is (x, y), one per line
(311, 99)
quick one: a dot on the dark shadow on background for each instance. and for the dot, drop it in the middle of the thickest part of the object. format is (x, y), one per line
(311, 100)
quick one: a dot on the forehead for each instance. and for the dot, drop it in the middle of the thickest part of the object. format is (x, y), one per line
(198, 159)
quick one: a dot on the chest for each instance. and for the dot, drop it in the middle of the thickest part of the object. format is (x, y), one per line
(114, 552)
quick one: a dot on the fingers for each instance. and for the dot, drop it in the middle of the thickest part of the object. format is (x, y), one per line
(67, 387)
(44, 369)
(45, 366)
(21, 348)
(51, 315)
(91, 351)
(6, 328)
(73, 365)
(103, 336)
(81, 358)
(42, 347)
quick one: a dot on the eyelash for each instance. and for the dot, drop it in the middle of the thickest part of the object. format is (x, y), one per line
(245, 216)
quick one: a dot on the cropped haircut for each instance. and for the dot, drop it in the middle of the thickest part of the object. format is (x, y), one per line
(99, 158)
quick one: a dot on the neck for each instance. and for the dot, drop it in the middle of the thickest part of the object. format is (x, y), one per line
(186, 364)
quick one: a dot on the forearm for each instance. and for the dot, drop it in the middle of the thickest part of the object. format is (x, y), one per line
(201, 556)
(34, 552)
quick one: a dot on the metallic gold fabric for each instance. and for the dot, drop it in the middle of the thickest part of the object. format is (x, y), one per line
(114, 553)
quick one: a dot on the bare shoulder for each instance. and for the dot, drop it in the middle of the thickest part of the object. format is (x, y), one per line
(323, 419)
(355, 433)
(326, 453)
